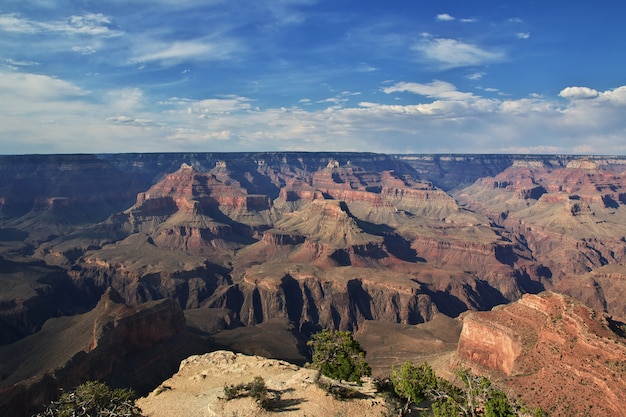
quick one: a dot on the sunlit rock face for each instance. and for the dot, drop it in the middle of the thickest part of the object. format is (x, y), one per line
(552, 351)
(571, 217)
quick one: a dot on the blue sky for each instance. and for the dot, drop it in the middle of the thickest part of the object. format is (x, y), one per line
(396, 76)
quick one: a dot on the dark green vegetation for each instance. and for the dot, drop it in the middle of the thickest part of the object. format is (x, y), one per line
(255, 389)
(337, 355)
(94, 399)
(468, 396)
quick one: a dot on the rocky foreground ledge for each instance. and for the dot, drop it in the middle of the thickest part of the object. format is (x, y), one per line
(197, 390)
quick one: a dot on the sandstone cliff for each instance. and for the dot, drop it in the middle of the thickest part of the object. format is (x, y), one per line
(551, 351)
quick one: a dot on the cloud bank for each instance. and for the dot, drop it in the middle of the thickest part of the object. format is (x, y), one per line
(437, 118)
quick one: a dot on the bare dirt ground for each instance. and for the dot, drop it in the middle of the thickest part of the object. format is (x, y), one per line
(197, 390)
(392, 344)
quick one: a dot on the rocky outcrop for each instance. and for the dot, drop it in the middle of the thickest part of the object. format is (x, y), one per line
(197, 389)
(113, 341)
(551, 351)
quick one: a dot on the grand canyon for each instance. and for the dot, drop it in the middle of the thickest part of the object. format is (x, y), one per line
(119, 266)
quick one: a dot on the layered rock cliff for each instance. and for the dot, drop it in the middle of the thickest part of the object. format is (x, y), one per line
(199, 236)
(572, 220)
(551, 351)
(314, 239)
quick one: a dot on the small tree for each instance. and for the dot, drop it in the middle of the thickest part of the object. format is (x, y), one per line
(474, 397)
(414, 383)
(94, 399)
(498, 405)
(337, 355)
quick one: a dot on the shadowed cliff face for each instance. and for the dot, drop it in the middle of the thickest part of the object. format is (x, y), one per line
(112, 340)
(552, 345)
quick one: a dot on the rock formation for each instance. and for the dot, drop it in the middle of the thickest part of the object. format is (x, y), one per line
(313, 240)
(197, 390)
(236, 239)
(113, 341)
(571, 219)
(551, 351)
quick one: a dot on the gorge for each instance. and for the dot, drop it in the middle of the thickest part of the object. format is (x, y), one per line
(241, 248)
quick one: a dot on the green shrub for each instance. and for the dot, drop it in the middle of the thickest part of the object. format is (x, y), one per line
(94, 399)
(255, 389)
(471, 396)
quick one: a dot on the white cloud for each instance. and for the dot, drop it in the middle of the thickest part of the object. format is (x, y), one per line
(14, 63)
(36, 87)
(523, 35)
(363, 67)
(451, 53)
(444, 17)
(476, 76)
(124, 100)
(93, 24)
(129, 120)
(208, 107)
(84, 50)
(436, 89)
(578, 93)
(526, 106)
(615, 96)
(172, 53)
(12, 22)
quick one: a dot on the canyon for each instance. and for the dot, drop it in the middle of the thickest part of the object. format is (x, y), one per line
(256, 251)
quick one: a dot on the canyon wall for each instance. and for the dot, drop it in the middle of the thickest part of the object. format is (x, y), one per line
(314, 239)
(551, 351)
(133, 345)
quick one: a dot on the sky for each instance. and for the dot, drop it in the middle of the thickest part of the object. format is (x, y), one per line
(390, 76)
